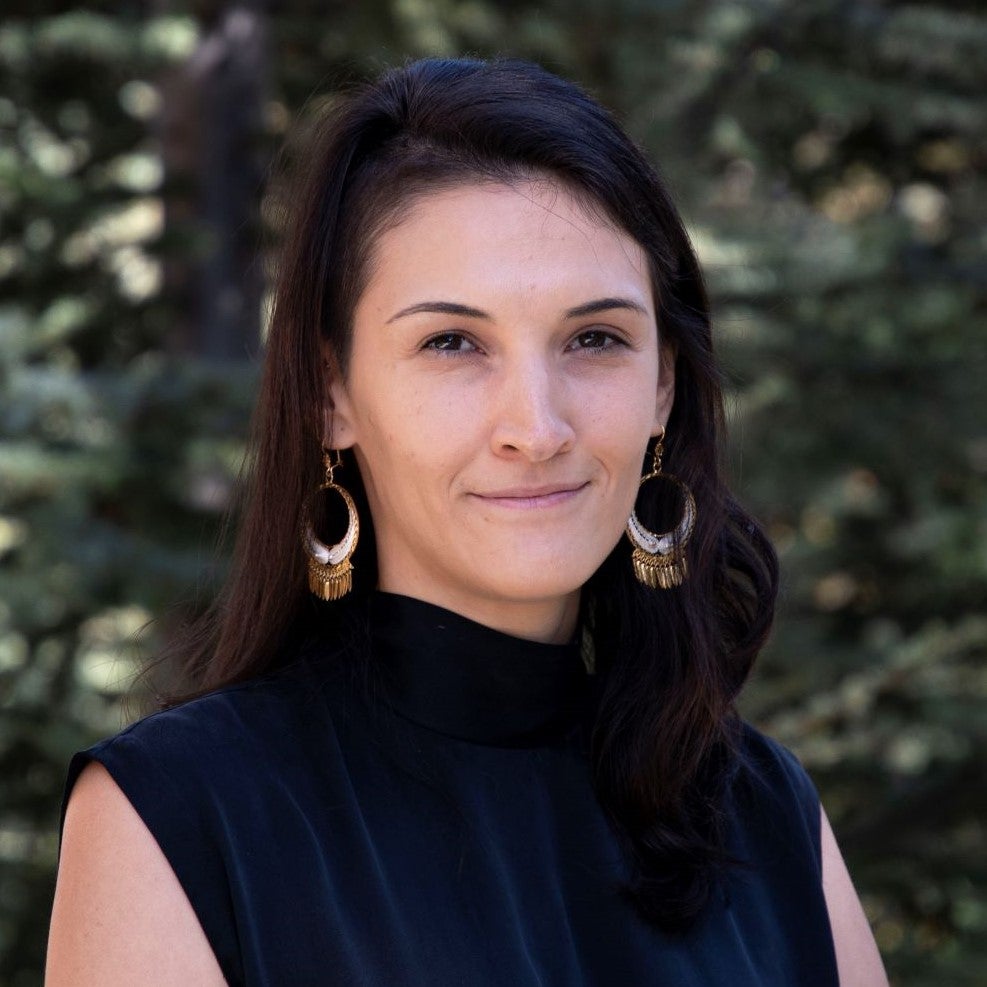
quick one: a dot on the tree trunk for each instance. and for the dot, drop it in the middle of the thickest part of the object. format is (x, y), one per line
(214, 160)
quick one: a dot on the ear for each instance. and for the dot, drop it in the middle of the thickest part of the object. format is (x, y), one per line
(666, 386)
(338, 424)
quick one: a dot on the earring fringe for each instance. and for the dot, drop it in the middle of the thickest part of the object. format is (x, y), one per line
(659, 572)
(330, 582)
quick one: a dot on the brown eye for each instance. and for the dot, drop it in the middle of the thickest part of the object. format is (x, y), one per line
(449, 342)
(595, 339)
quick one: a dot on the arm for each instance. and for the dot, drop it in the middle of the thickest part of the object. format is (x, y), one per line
(857, 958)
(120, 915)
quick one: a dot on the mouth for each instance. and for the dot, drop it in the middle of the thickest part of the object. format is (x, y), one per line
(534, 497)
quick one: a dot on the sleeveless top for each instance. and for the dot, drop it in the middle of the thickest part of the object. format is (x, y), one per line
(442, 827)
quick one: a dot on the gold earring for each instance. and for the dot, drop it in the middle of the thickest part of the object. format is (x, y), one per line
(659, 560)
(330, 572)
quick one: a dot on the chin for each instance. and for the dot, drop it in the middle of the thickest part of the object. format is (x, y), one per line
(537, 581)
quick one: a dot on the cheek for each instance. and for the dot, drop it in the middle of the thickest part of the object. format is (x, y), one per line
(622, 416)
(621, 435)
(414, 433)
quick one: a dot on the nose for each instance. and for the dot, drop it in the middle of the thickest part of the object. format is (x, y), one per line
(532, 420)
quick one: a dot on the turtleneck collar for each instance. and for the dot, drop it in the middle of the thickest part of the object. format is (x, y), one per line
(452, 675)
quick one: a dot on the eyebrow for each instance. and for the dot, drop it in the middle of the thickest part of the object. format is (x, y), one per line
(443, 308)
(606, 305)
(467, 311)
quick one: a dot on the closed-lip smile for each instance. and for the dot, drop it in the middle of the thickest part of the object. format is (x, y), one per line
(545, 495)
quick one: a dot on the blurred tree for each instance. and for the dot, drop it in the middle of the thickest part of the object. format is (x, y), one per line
(829, 159)
(116, 449)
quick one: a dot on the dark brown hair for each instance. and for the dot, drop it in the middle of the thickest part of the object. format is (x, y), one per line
(670, 662)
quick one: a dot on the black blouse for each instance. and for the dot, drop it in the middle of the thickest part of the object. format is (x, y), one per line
(440, 827)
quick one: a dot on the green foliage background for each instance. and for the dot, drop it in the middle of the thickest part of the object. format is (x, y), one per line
(830, 161)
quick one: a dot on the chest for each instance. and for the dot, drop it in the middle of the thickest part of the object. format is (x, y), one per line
(448, 867)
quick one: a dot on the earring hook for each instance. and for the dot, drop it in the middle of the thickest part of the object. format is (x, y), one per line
(658, 451)
(329, 464)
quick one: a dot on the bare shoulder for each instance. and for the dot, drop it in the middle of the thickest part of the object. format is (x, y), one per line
(857, 957)
(120, 915)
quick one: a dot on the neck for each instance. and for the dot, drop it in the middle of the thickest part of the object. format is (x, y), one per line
(455, 676)
(550, 621)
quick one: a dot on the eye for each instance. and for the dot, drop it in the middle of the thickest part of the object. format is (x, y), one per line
(449, 342)
(595, 339)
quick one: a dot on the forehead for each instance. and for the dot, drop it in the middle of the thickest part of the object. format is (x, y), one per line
(521, 239)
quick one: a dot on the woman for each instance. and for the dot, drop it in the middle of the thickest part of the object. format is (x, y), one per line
(483, 738)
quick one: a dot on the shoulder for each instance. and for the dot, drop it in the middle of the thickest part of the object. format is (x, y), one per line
(788, 832)
(263, 718)
(773, 788)
(281, 697)
(159, 816)
(196, 772)
(119, 909)
(766, 755)
(766, 761)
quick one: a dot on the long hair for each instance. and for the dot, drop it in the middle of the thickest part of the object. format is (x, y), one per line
(670, 662)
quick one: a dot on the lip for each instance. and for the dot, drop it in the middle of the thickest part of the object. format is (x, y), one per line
(546, 495)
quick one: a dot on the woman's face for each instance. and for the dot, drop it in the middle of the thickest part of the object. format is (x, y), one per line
(503, 384)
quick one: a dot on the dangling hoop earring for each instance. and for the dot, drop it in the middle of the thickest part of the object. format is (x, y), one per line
(330, 572)
(659, 560)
